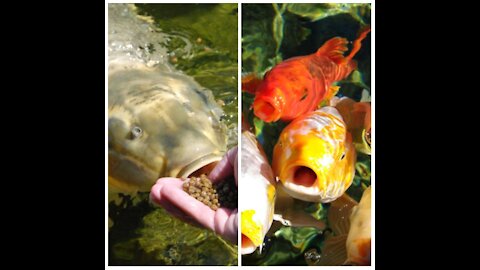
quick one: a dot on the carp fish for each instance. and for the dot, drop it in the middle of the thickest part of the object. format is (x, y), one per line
(299, 84)
(351, 224)
(314, 157)
(160, 121)
(357, 117)
(258, 202)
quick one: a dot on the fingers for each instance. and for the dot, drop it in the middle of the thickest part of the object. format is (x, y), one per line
(159, 198)
(226, 167)
(168, 193)
(226, 224)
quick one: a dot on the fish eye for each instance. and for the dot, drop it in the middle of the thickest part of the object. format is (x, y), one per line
(343, 156)
(136, 132)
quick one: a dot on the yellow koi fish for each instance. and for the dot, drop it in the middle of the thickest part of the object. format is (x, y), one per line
(259, 194)
(314, 157)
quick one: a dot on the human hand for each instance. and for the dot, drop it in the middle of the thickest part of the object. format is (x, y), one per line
(169, 194)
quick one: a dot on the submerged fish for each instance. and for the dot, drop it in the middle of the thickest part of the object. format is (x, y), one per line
(298, 85)
(351, 224)
(357, 117)
(314, 157)
(160, 121)
(258, 192)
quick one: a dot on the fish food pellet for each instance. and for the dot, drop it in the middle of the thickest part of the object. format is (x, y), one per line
(227, 193)
(223, 194)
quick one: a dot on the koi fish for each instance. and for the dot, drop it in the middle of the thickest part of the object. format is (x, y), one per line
(257, 208)
(357, 117)
(298, 85)
(351, 224)
(314, 157)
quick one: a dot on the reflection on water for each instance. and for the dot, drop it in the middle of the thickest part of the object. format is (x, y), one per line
(185, 38)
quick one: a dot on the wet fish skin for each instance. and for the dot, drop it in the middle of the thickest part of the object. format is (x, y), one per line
(314, 157)
(178, 120)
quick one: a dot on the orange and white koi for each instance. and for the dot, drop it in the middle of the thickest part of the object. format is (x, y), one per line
(258, 200)
(314, 157)
(357, 117)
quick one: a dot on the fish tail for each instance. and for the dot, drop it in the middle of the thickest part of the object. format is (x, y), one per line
(357, 44)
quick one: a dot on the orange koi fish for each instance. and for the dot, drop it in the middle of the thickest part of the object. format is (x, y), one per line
(297, 85)
(314, 157)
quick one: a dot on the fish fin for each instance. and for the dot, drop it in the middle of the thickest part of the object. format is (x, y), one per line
(299, 219)
(332, 91)
(334, 49)
(357, 44)
(339, 214)
(250, 83)
(334, 251)
(289, 212)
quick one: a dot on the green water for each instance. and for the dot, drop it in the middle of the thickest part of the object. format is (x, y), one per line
(213, 58)
(203, 44)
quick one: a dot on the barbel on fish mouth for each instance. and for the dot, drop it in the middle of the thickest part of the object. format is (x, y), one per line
(160, 121)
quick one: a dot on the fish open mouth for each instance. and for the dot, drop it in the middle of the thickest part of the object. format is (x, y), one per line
(304, 176)
(301, 182)
(247, 245)
(200, 166)
(266, 110)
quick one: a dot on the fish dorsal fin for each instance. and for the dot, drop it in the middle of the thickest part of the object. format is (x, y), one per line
(334, 49)
(334, 251)
(339, 214)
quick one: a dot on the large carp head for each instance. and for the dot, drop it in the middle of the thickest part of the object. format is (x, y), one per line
(160, 121)
(160, 124)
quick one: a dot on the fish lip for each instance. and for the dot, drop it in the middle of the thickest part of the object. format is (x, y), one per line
(276, 102)
(198, 164)
(295, 191)
(273, 113)
(249, 247)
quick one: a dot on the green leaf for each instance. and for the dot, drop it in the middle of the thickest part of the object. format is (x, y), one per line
(315, 12)
(278, 30)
